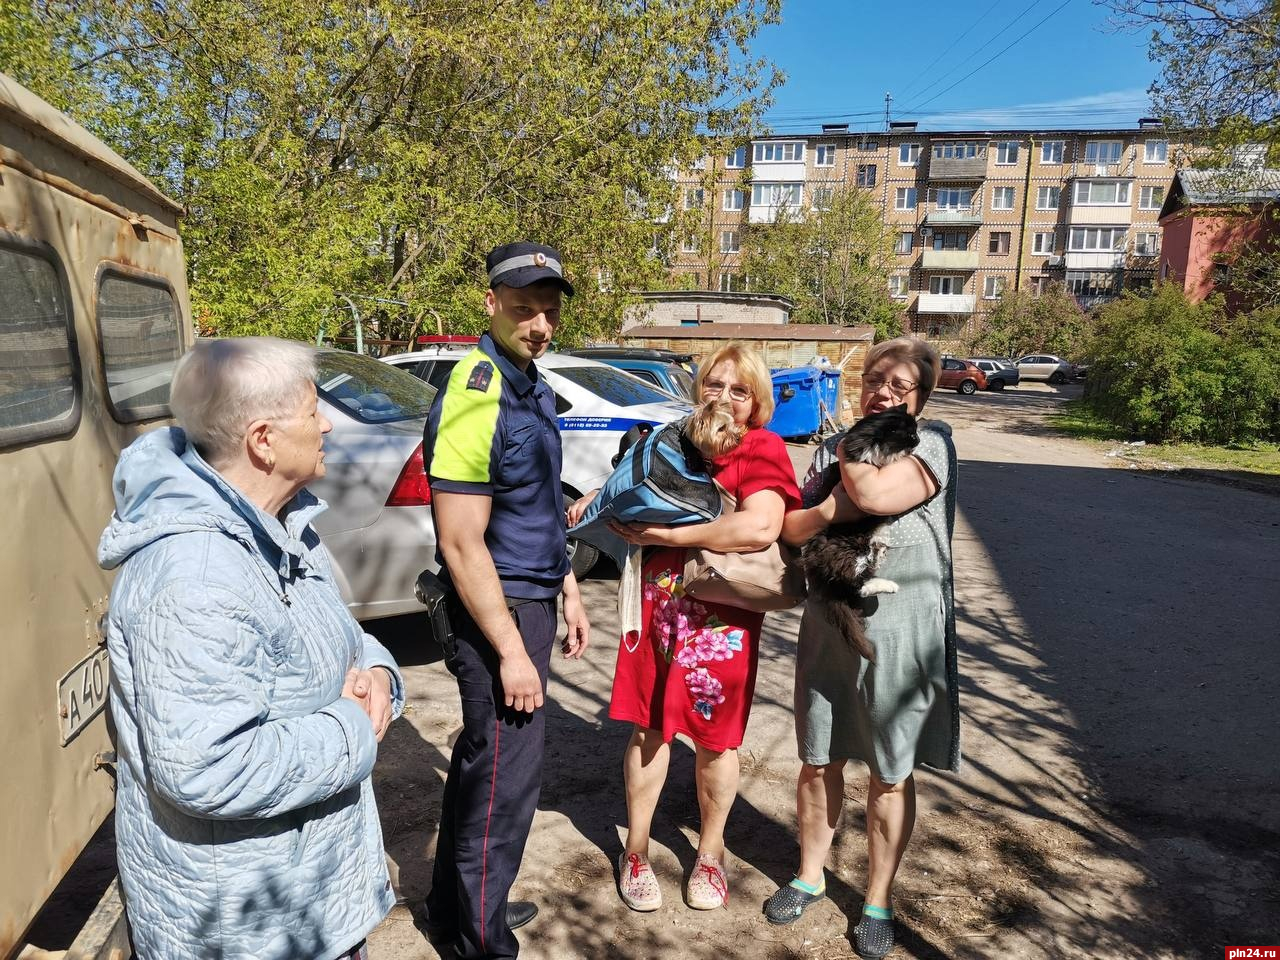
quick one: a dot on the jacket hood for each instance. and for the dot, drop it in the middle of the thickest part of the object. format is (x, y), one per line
(163, 487)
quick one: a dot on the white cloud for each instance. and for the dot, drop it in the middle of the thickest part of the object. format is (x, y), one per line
(1112, 108)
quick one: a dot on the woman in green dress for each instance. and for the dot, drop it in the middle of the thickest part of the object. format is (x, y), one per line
(902, 710)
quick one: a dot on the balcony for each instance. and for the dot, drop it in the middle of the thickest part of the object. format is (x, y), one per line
(953, 216)
(1086, 169)
(1103, 215)
(768, 212)
(945, 303)
(949, 259)
(951, 168)
(1094, 260)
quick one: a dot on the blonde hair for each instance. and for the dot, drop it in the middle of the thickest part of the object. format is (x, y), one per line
(751, 370)
(712, 429)
(910, 350)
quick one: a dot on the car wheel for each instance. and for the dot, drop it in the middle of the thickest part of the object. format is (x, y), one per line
(1056, 378)
(996, 385)
(967, 387)
(582, 555)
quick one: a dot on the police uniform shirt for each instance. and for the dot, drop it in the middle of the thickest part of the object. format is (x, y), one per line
(493, 431)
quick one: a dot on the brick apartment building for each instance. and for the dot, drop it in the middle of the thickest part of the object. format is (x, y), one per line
(973, 213)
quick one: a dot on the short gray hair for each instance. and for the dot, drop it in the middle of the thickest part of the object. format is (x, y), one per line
(222, 386)
(919, 353)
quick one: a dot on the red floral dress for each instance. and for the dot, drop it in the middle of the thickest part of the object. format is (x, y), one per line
(692, 668)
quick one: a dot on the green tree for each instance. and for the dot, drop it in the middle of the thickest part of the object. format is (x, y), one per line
(833, 260)
(1023, 323)
(379, 148)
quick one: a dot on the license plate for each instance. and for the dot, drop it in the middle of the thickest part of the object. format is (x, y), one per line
(82, 693)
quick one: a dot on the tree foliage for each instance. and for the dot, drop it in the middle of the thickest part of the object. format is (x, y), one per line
(379, 148)
(1219, 69)
(1023, 323)
(1168, 369)
(833, 260)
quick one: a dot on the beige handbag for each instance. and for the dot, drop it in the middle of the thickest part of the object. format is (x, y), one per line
(763, 580)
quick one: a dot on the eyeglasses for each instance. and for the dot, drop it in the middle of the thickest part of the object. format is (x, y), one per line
(737, 391)
(899, 388)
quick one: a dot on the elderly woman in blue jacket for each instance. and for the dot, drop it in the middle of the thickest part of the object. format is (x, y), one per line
(248, 702)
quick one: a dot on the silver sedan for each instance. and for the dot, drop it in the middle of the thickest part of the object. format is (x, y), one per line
(378, 526)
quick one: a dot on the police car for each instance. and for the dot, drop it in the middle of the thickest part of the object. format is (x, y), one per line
(595, 403)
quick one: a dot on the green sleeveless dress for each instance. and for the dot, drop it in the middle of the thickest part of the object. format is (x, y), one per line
(903, 710)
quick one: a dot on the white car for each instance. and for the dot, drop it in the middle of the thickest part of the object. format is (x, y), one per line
(596, 405)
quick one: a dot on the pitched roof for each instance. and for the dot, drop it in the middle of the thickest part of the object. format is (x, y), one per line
(752, 331)
(1224, 187)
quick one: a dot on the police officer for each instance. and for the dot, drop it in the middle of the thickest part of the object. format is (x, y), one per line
(493, 448)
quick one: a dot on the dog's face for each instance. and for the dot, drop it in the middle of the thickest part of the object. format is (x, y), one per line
(711, 428)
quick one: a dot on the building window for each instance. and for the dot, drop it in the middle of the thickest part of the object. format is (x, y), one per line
(736, 159)
(728, 241)
(1097, 239)
(782, 151)
(689, 244)
(1002, 198)
(908, 154)
(1146, 245)
(822, 197)
(1051, 151)
(1047, 198)
(1151, 198)
(1093, 283)
(946, 285)
(776, 195)
(1155, 151)
(1007, 152)
(1103, 151)
(998, 243)
(905, 198)
(866, 175)
(1039, 285)
(898, 286)
(733, 200)
(1102, 193)
(693, 197)
(953, 198)
(826, 155)
(700, 163)
(38, 396)
(730, 283)
(903, 243)
(957, 150)
(866, 146)
(993, 287)
(951, 241)
(1043, 243)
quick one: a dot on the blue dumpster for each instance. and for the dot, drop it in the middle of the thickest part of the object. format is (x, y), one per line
(829, 392)
(796, 393)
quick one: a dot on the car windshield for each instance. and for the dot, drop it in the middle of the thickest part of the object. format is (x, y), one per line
(613, 385)
(371, 391)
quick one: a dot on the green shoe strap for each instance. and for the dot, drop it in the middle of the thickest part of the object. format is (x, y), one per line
(877, 913)
(809, 888)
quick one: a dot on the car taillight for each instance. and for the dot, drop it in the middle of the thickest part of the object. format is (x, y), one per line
(412, 489)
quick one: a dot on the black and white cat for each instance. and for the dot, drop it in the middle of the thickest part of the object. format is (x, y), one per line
(840, 563)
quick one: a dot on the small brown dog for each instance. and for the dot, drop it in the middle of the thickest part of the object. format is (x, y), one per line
(711, 428)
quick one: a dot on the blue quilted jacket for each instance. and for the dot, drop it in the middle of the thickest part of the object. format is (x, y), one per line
(245, 820)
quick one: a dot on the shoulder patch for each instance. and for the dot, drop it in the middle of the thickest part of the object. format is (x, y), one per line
(481, 376)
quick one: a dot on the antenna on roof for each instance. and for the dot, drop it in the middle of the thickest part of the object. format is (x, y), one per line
(888, 99)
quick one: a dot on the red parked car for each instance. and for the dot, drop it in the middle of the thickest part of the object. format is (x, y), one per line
(962, 375)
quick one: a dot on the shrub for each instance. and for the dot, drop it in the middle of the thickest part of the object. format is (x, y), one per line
(1168, 370)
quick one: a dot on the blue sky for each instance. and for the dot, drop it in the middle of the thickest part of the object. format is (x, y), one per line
(842, 56)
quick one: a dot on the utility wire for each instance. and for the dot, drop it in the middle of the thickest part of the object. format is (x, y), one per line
(951, 46)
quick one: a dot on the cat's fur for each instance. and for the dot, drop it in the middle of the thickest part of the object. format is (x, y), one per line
(840, 563)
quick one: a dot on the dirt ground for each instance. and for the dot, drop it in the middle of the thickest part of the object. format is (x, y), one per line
(1118, 643)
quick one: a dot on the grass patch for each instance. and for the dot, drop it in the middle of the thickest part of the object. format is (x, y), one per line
(1076, 420)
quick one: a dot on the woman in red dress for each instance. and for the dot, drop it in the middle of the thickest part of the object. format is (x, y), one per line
(692, 668)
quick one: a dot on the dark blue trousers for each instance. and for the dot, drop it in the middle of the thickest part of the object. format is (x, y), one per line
(495, 776)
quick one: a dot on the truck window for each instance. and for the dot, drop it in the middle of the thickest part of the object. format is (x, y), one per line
(38, 397)
(141, 340)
